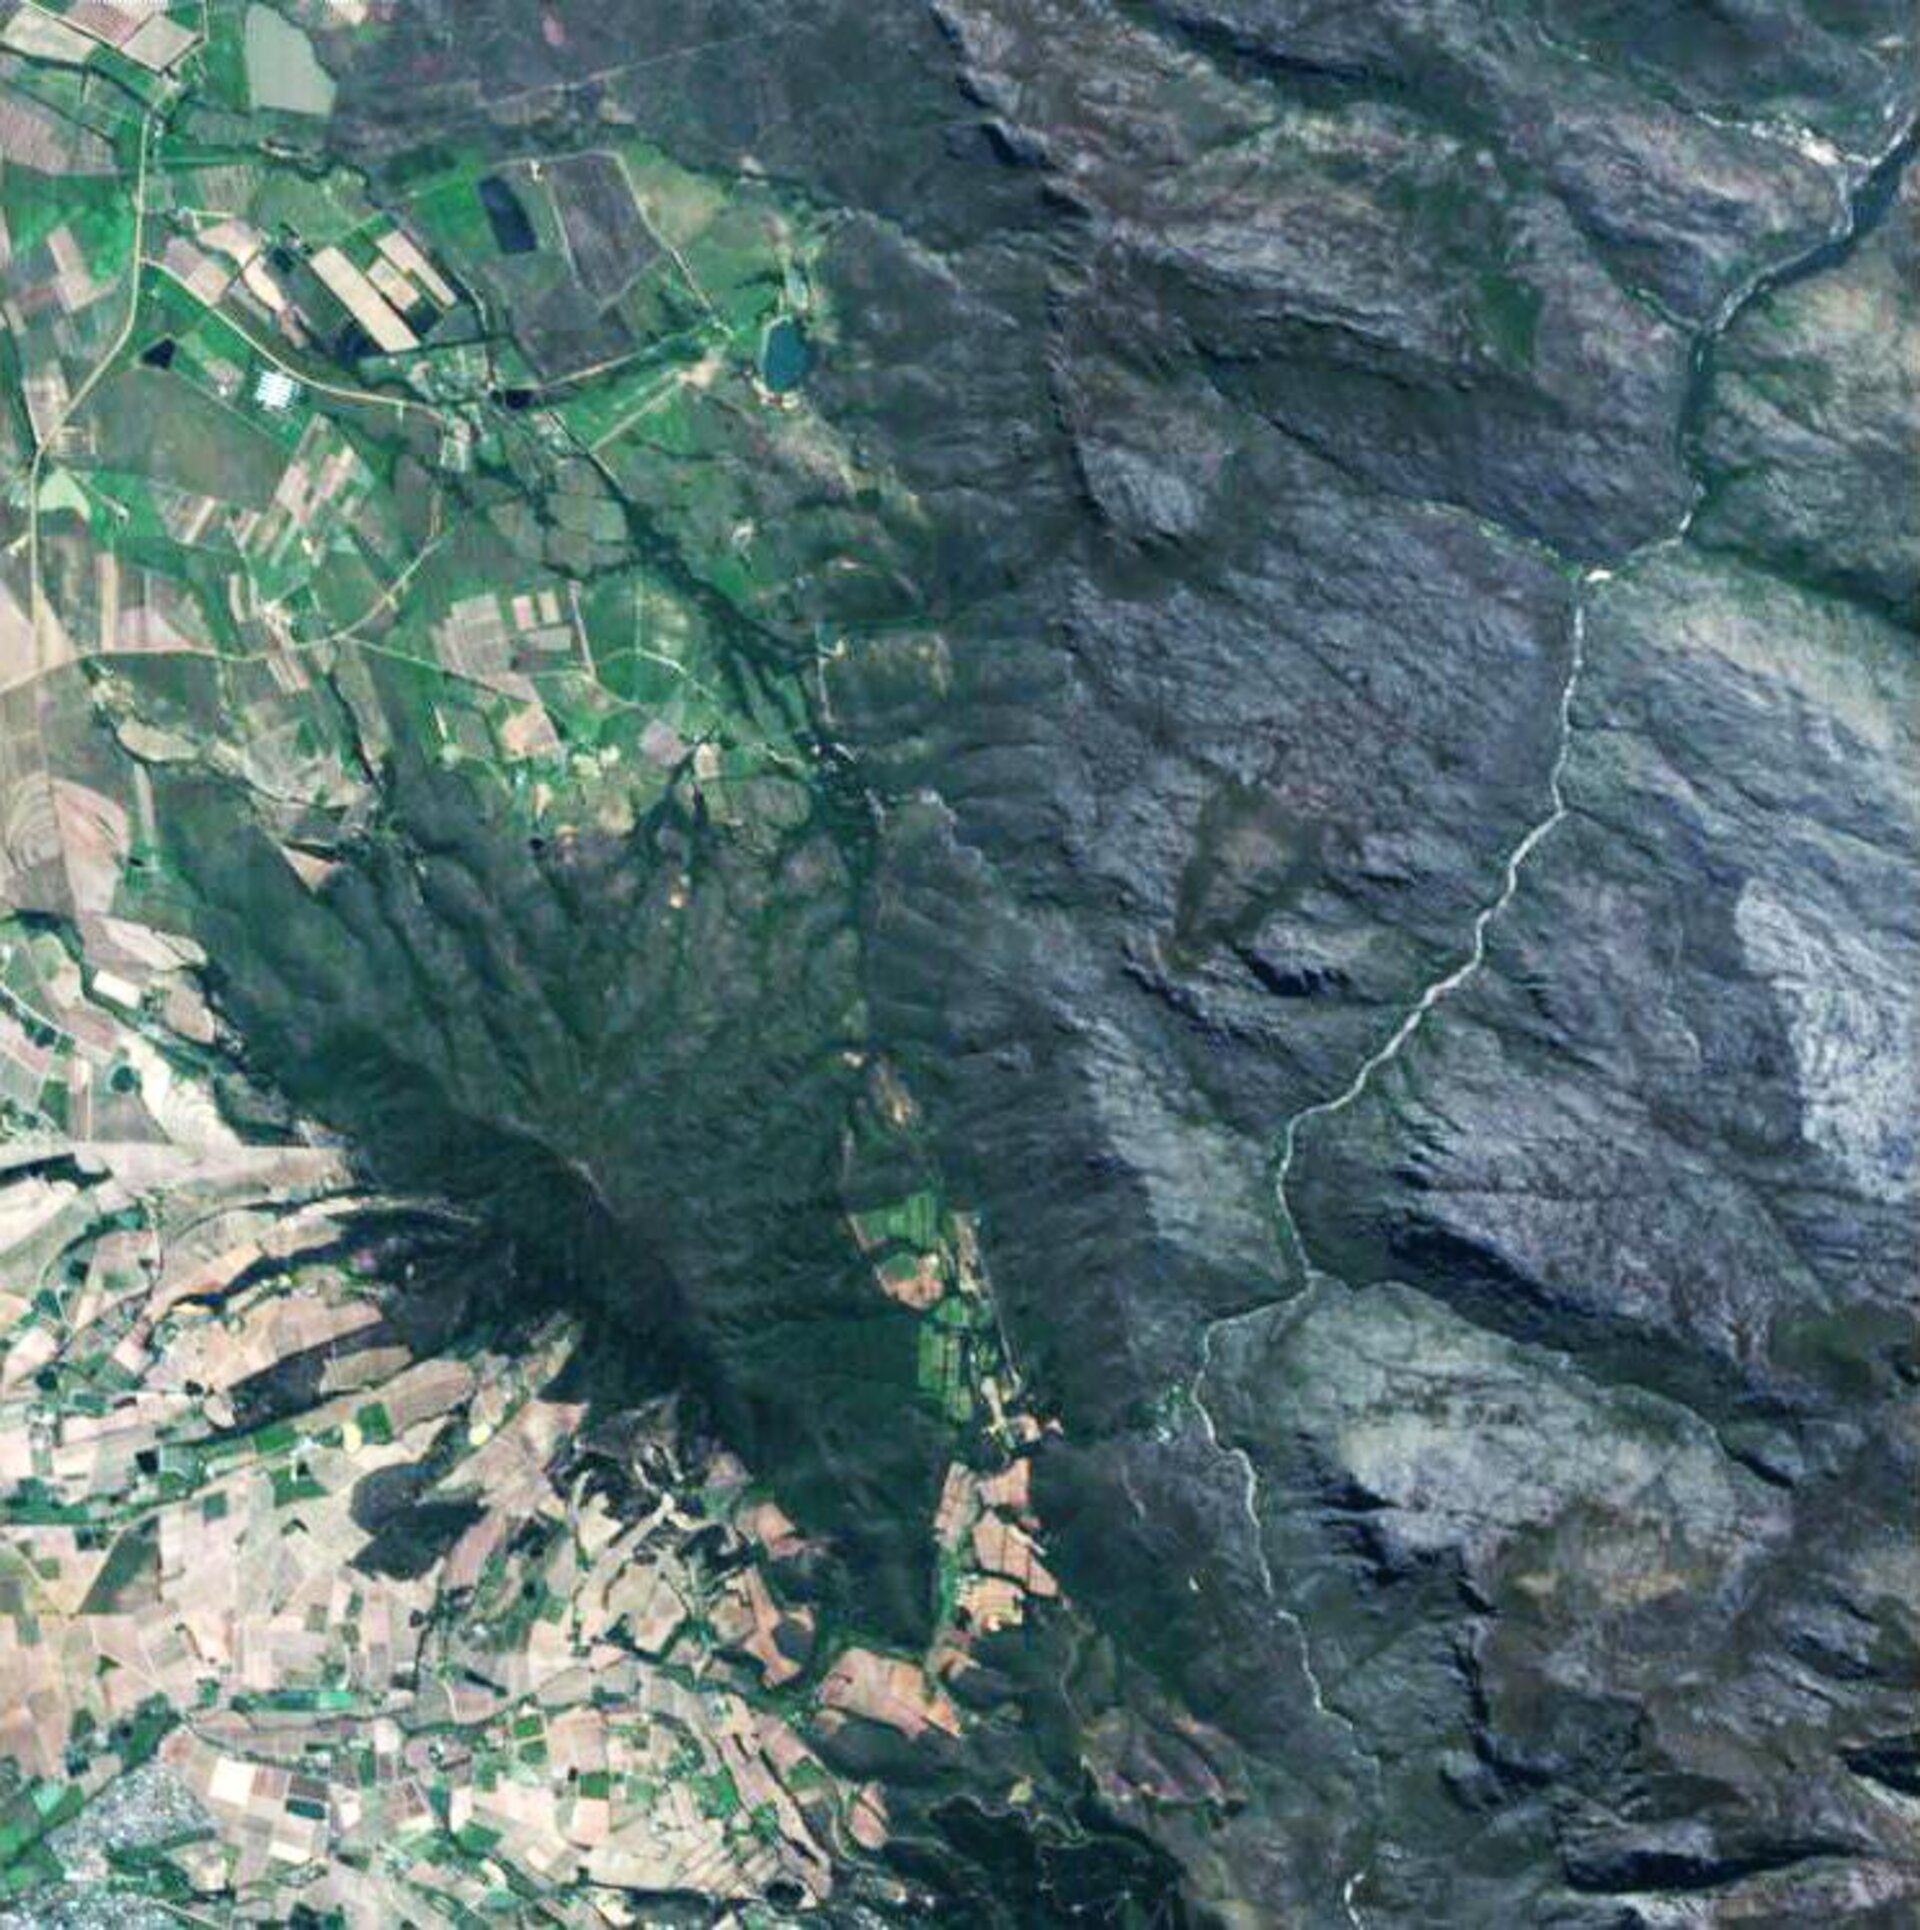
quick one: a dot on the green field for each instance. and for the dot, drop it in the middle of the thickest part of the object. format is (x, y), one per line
(153, 423)
(284, 74)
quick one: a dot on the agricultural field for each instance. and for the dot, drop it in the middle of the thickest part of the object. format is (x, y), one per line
(352, 518)
(955, 964)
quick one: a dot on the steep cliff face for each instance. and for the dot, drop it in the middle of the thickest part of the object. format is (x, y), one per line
(1459, 766)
